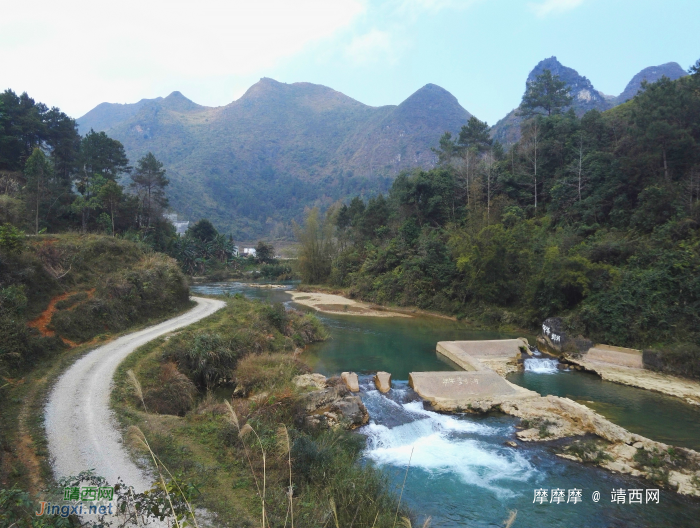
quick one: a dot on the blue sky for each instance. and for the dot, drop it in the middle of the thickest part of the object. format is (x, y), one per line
(77, 53)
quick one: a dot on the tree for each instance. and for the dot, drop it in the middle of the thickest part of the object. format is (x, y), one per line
(111, 194)
(530, 148)
(316, 245)
(150, 181)
(475, 135)
(21, 129)
(101, 158)
(695, 68)
(88, 200)
(203, 230)
(662, 125)
(547, 94)
(447, 149)
(264, 253)
(37, 171)
(224, 248)
(100, 154)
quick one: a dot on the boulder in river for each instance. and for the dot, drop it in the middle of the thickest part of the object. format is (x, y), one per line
(351, 381)
(382, 380)
(555, 340)
(313, 380)
(334, 406)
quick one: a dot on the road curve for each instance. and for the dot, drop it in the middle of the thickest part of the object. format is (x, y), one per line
(81, 429)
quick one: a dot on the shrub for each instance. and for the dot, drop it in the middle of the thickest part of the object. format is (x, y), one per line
(277, 316)
(682, 359)
(327, 467)
(262, 372)
(208, 361)
(11, 239)
(174, 395)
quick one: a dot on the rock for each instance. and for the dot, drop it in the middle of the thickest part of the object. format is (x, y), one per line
(638, 445)
(351, 381)
(510, 443)
(315, 400)
(352, 410)
(624, 451)
(569, 457)
(315, 380)
(617, 467)
(334, 406)
(312, 381)
(382, 380)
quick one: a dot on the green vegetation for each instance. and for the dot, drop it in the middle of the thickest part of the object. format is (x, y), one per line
(589, 450)
(76, 288)
(594, 219)
(75, 291)
(248, 349)
(53, 180)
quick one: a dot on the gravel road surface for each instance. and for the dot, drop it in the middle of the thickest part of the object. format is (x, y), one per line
(81, 429)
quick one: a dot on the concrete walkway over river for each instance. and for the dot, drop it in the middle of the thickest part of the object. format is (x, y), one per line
(478, 381)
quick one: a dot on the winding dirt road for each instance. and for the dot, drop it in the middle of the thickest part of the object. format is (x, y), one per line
(81, 429)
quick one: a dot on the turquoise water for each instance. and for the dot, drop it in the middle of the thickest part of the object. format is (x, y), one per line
(656, 416)
(462, 472)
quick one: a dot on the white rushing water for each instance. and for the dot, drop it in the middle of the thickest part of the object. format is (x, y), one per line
(441, 444)
(541, 366)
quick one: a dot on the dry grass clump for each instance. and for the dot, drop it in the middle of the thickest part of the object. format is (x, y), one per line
(267, 372)
(175, 394)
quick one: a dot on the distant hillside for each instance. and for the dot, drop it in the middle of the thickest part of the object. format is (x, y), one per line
(586, 97)
(256, 163)
(672, 70)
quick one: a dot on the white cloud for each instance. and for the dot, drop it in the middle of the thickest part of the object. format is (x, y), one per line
(83, 52)
(554, 6)
(373, 46)
(398, 16)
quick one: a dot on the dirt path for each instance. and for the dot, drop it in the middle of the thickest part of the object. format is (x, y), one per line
(81, 430)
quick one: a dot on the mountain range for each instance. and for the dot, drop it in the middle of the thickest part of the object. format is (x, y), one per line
(255, 164)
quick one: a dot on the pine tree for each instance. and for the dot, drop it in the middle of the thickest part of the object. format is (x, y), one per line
(150, 181)
(547, 95)
(37, 171)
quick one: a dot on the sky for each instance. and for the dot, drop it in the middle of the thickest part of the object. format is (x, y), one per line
(75, 54)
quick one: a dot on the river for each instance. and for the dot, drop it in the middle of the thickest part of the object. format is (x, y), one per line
(462, 473)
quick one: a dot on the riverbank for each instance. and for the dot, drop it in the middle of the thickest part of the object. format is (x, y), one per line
(218, 398)
(685, 389)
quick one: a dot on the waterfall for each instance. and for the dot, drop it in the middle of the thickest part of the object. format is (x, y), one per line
(541, 366)
(441, 444)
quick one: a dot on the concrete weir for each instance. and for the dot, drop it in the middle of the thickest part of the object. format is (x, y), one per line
(469, 355)
(478, 383)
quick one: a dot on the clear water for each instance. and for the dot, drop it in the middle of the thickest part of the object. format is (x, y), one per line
(462, 472)
(656, 416)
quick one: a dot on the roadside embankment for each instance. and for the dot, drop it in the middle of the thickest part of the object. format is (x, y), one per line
(80, 431)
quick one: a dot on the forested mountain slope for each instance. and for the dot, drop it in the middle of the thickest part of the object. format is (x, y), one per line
(254, 164)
